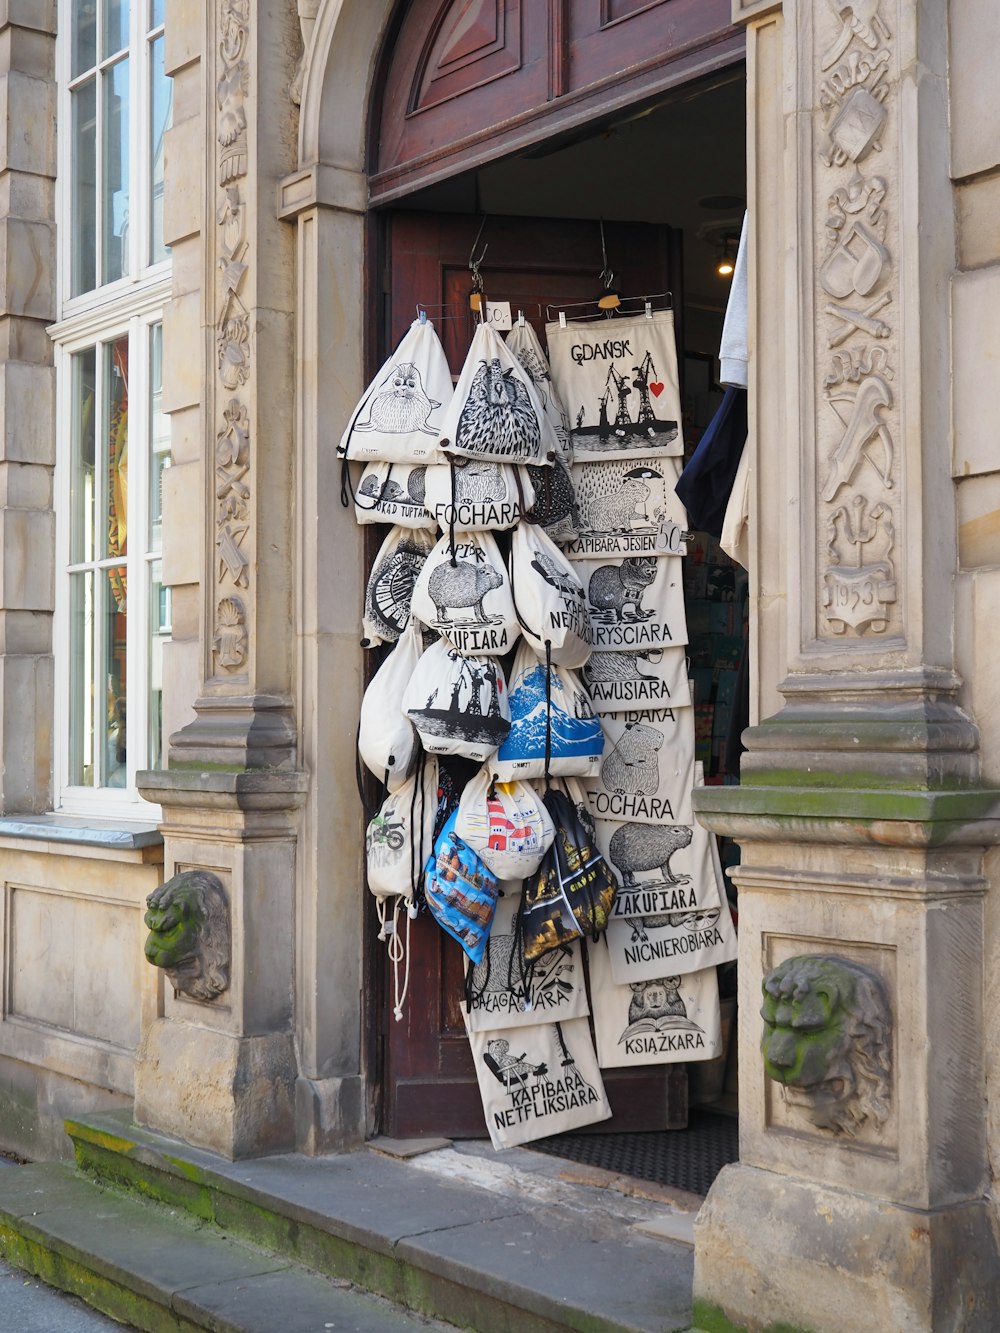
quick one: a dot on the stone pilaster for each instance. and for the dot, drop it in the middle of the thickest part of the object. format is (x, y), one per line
(27, 401)
(860, 1198)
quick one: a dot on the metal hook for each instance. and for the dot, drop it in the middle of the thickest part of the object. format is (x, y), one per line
(607, 277)
(474, 263)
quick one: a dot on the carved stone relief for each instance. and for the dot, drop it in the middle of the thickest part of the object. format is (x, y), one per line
(308, 11)
(188, 920)
(827, 1042)
(233, 461)
(856, 424)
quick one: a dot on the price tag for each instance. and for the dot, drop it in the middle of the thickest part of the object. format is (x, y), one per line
(498, 315)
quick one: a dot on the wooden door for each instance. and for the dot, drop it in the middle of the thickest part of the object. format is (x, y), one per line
(429, 1085)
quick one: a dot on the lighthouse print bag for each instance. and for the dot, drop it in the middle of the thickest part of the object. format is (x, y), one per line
(537, 1081)
(618, 381)
(458, 704)
(554, 729)
(506, 823)
(463, 592)
(399, 416)
(495, 411)
(549, 598)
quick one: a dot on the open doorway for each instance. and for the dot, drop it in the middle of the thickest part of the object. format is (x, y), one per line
(668, 182)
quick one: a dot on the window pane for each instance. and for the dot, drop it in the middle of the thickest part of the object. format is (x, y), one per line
(115, 196)
(83, 223)
(84, 36)
(81, 689)
(115, 27)
(160, 97)
(155, 13)
(116, 396)
(83, 434)
(115, 678)
(159, 633)
(159, 438)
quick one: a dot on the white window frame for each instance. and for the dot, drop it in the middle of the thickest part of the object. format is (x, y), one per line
(131, 305)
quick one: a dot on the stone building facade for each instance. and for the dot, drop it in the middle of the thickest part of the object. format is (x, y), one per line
(870, 802)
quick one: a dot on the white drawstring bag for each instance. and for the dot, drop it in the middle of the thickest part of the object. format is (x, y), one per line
(393, 493)
(390, 584)
(523, 342)
(386, 740)
(506, 824)
(463, 592)
(495, 411)
(549, 598)
(399, 416)
(458, 704)
(557, 717)
(398, 841)
(476, 495)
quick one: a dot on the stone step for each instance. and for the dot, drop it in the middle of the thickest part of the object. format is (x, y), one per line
(495, 1246)
(158, 1269)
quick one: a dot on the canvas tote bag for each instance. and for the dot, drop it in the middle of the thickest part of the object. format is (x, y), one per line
(536, 1081)
(618, 380)
(628, 507)
(506, 824)
(620, 681)
(495, 411)
(501, 993)
(647, 771)
(399, 415)
(665, 1020)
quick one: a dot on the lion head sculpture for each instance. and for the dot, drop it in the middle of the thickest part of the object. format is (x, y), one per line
(188, 920)
(827, 1041)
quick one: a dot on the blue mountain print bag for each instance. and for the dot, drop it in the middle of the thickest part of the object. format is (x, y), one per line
(460, 891)
(554, 729)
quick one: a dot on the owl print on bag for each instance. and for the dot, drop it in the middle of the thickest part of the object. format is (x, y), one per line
(498, 417)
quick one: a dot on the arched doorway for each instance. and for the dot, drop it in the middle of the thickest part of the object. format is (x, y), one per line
(516, 111)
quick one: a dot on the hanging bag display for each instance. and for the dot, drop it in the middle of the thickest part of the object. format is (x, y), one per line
(523, 342)
(495, 411)
(537, 1081)
(506, 824)
(463, 592)
(549, 598)
(476, 495)
(390, 585)
(393, 493)
(636, 603)
(458, 704)
(398, 419)
(460, 891)
(618, 380)
(501, 993)
(573, 892)
(661, 1021)
(554, 728)
(386, 740)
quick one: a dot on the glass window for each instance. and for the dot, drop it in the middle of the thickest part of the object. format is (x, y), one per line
(113, 610)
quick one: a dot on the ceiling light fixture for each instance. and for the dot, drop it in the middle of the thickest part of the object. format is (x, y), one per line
(725, 261)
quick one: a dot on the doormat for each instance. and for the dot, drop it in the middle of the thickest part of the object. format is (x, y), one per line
(688, 1159)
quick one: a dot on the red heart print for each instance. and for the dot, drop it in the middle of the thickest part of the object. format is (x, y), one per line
(656, 388)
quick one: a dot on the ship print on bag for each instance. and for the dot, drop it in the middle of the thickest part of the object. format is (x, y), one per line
(618, 380)
(458, 704)
(628, 509)
(635, 603)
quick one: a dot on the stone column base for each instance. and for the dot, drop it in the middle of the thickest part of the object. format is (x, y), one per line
(234, 1095)
(329, 1114)
(788, 1254)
